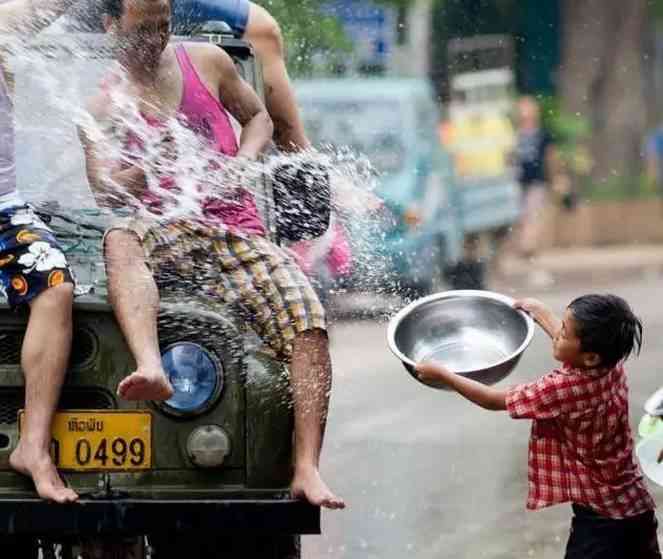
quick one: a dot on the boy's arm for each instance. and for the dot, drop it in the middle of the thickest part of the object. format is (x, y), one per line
(541, 314)
(31, 16)
(485, 396)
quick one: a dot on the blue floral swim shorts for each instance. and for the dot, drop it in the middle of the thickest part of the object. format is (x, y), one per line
(31, 259)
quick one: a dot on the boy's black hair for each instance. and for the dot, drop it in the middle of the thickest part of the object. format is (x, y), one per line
(606, 325)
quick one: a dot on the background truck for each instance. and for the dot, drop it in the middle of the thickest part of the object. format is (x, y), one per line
(478, 132)
(392, 122)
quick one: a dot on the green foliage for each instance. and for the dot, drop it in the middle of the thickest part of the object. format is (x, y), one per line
(399, 4)
(572, 134)
(307, 31)
(656, 7)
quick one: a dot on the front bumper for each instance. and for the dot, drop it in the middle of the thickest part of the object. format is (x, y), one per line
(32, 517)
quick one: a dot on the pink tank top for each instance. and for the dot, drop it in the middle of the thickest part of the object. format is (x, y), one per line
(205, 115)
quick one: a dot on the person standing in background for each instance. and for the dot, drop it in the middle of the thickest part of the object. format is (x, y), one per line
(537, 165)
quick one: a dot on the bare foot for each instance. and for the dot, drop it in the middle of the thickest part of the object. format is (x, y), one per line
(39, 466)
(308, 485)
(145, 384)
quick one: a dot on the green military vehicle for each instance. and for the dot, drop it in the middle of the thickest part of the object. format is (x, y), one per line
(205, 474)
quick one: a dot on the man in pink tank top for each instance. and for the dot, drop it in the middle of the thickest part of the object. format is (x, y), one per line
(253, 23)
(225, 241)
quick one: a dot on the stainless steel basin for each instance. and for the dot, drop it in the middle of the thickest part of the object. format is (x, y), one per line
(474, 333)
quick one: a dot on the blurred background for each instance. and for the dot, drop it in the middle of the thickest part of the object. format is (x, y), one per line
(593, 72)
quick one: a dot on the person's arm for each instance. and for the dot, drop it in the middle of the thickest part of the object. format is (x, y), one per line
(541, 315)
(552, 161)
(108, 183)
(31, 16)
(651, 169)
(115, 188)
(545, 398)
(489, 398)
(244, 104)
(554, 170)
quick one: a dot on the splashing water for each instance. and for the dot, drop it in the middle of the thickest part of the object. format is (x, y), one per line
(57, 75)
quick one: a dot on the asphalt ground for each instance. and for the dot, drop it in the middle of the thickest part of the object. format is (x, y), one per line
(427, 474)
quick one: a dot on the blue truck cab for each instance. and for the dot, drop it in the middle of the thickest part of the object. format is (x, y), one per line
(393, 122)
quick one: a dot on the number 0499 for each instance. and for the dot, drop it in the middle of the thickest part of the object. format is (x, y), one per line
(101, 440)
(119, 452)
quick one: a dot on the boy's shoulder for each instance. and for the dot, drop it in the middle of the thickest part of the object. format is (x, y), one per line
(601, 374)
(593, 388)
(581, 389)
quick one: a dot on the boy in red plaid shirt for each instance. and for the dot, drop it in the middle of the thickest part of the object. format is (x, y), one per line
(581, 447)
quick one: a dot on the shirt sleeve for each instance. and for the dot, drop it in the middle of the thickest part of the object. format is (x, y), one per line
(541, 399)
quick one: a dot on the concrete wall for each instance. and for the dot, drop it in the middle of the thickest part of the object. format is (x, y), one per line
(605, 223)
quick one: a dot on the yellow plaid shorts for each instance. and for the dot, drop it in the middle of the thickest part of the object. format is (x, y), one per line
(246, 271)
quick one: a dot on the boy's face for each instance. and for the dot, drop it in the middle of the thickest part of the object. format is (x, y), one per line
(568, 349)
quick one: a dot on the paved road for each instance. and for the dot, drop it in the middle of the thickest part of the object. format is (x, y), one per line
(428, 475)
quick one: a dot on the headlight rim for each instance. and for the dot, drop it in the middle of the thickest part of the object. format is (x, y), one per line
(214, 397)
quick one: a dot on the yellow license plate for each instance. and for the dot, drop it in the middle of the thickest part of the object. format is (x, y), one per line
(101, 441)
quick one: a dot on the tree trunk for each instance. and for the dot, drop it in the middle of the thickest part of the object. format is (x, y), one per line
(602, 80)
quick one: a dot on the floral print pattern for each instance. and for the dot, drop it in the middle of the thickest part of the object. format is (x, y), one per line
(20, 284)
(41, 256)
(56, 277)
(31, 260)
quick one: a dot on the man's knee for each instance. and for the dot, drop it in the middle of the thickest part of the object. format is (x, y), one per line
(122, 245)
(56, 300)
(312, 338)
(264, 32)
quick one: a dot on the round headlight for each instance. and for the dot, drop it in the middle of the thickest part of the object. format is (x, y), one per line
(196, 376)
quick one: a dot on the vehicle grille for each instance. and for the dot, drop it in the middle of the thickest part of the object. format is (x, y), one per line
(83, 349)
(13, 399)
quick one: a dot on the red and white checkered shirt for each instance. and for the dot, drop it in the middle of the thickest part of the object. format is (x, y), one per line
(581, 446)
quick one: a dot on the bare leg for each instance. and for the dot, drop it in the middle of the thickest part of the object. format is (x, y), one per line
(135, 299)
(44, 359)
(311, 384)
(264, 34)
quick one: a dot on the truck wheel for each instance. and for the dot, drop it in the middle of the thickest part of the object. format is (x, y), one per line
(192, 545)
